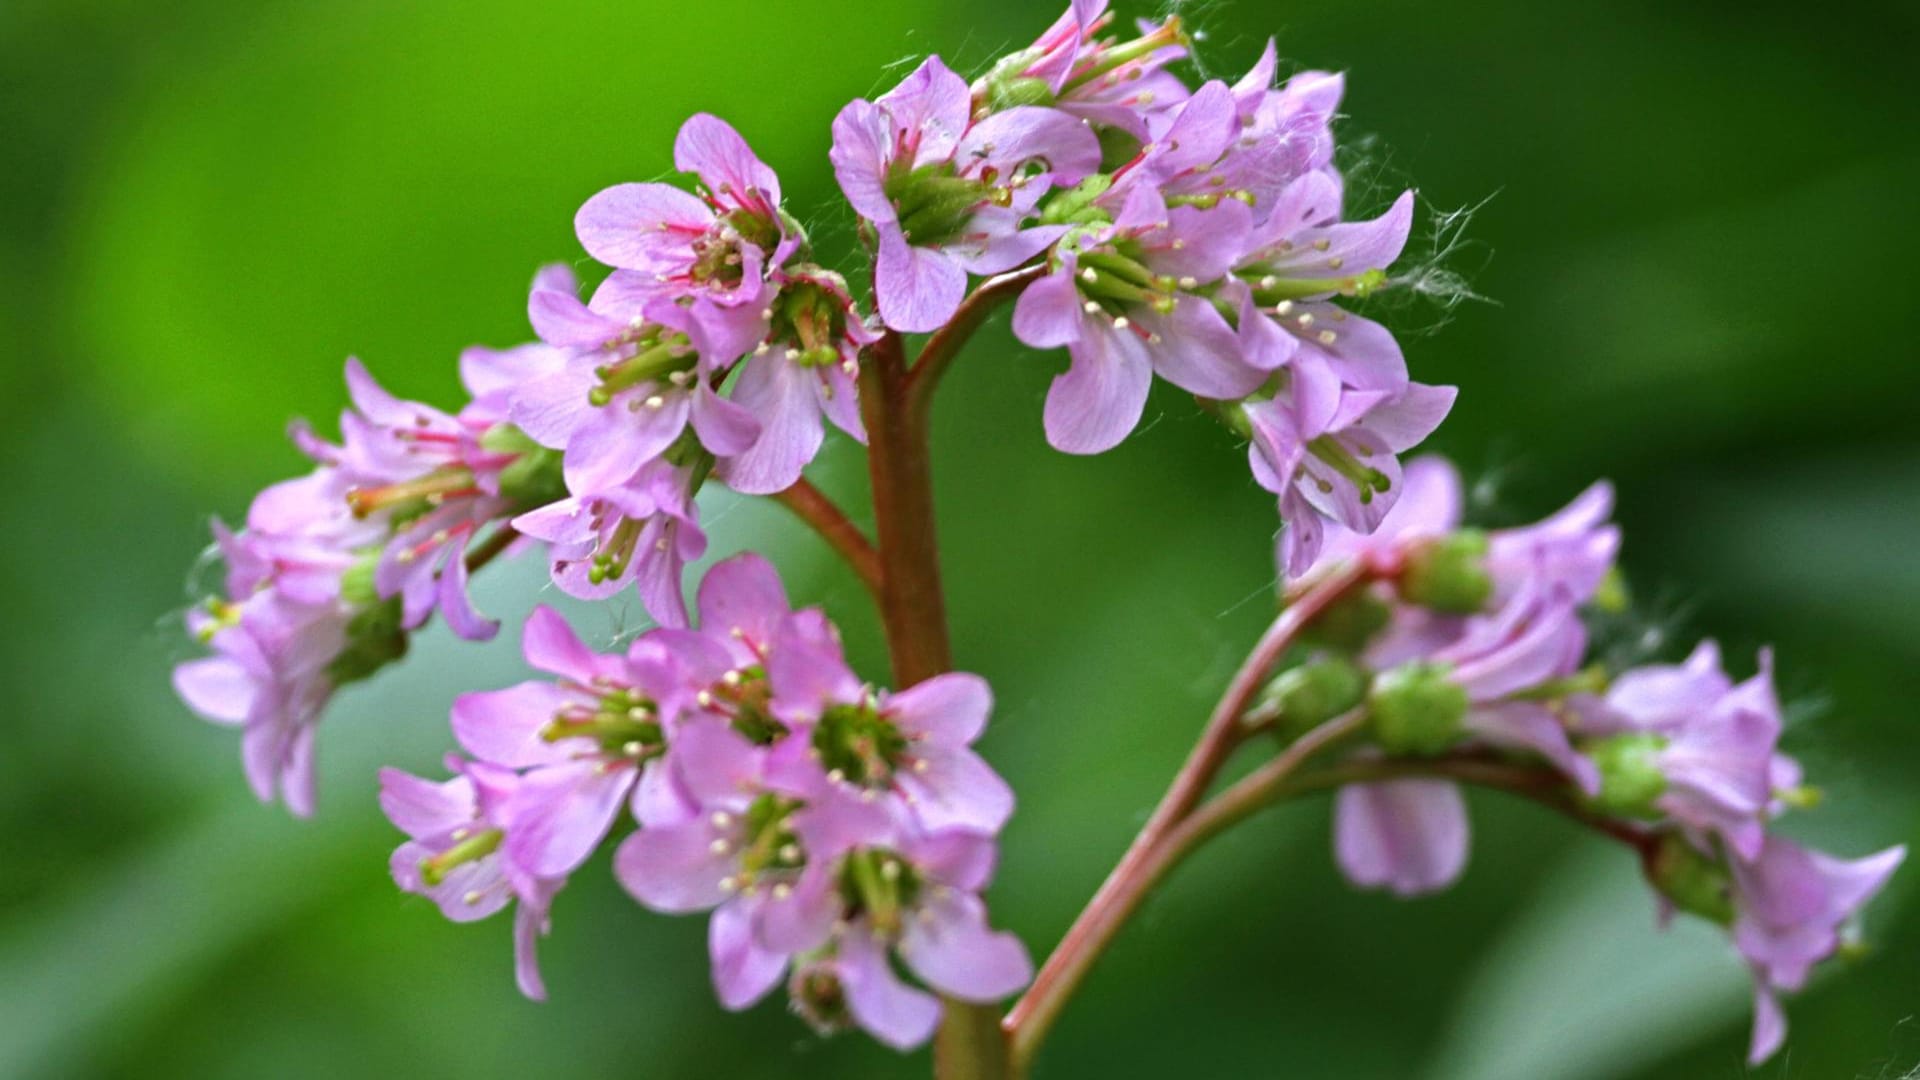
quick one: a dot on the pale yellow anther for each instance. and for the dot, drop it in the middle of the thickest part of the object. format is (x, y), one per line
(656, 402)
(1328, 337)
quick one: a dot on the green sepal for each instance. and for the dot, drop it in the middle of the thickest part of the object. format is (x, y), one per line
(535, 477)
(375, 638)
(1011, 93)
(1630, 775)
(1307, 696)
(1074, 206)
(1417, 708)
(1695, 883)
(1449, 574)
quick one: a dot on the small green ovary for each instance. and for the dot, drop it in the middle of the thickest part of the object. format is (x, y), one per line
(859, 743)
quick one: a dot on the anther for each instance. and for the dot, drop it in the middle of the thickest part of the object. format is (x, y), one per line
(719, 847)
(1328, 337)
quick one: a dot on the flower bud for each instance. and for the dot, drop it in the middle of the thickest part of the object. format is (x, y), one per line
(1348, 624)
(1307, 696)
(817, 997)
(1692, 881)
(1449, 574)
(1630, 774)
(1417, 708)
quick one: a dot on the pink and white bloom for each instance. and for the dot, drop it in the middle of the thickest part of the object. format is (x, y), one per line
(453, 855)
(946, 196)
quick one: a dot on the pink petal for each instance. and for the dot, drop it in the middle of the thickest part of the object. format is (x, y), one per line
(1099, 399)
(889, 1009)
(951, 948)
(1409, 836)
(918, 288)
(621, 226)
(948, 710)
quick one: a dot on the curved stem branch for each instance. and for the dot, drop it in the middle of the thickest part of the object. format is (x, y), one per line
(812, 506)
(1141, 866)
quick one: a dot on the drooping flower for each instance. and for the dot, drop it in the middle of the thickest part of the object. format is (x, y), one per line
(1791, 906)
(1686, 742)
(948, 197)
(453, 855)
(1331, 454)
(805, 369)
(647, 527)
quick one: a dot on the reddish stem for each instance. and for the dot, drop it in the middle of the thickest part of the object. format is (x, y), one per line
(970, 1045)
(1144, 862)
(812, 506)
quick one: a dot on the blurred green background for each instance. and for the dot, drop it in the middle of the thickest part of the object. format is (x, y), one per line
(1697, 229)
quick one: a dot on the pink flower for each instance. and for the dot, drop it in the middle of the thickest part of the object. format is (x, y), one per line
(1791, 906)
(719, 245)
(585, 744)
(948, 197)
(453, 855)
(647, 527)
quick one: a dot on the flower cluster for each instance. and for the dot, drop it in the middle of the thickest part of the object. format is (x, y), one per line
(335, 568)
(829, 827)
(841, 836)
(1196, 234)
(1474, 647)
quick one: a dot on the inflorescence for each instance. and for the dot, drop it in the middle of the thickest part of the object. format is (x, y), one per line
(841, 835)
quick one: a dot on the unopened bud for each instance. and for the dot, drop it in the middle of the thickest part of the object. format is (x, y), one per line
(1630, 775)
(1449, 574)
(1417, 708)
(1312, 694)
(1694, 882)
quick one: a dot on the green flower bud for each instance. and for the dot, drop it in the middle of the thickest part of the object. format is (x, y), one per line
(1008, 93)
(1307, 696)
(1449, 574)
(1417, 708)
(1695, 883)
(1348, 624)
(1630, 776)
